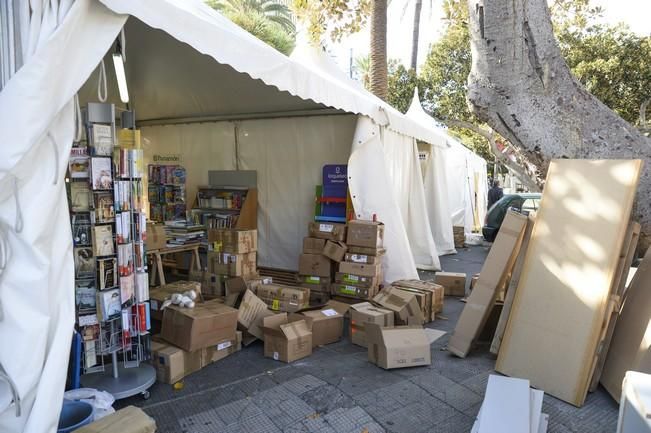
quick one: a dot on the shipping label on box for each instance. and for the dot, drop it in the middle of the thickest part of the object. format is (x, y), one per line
(283, 298)
(286, 339)
(454, 283)
(235, 265)
(376, 252)
(314, 264)
(206, 324)
(368, 234)
(352, 291)
(335, 250)
(362, 258)
(233, 241)
(332, 231)
(358, 280)
(314, 283)
(313, 245)
(222, 349)
(403, 346)
(363, 313)
(404, 304)
(360, 269)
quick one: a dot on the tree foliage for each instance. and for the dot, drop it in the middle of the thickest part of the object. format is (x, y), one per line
(332, 19)
(267, 20)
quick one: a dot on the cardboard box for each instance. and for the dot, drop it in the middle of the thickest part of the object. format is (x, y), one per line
(326, 323)
(435, 289)
(233, 241)
(403, 304)
(332, 231)
(284, 298)
(368, 234)
(319, 284)
(424, 299)
(335, 250)
(158, 295)
(319, 298)
(313, 245)
(127, 420)
(360, 269)
(353, 291)
(402, 346)
(206, 324)
(358, 280)
(251, 313)
(314, 264)
(363, 258)
(363, 313)
(156, 238)
(377, 252)
(253, 283)
(286, 338)
(454, 283)
(234, 265)
(221, 350)
(211, 284)
(173, 363)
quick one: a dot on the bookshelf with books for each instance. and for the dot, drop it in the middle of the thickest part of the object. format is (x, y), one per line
(226, 207)
(166, 192)
(108, 227)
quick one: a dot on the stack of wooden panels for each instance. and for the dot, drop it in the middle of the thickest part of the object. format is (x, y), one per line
(630, 347)
(459, 236)
(511, 406)
(562, 306)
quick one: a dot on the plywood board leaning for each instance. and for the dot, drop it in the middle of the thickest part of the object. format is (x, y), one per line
(630, 345)
(497, 266)
(513, 285)
(616, 298)
(561, 300)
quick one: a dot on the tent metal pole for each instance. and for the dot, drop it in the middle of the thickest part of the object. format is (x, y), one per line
(234, 117)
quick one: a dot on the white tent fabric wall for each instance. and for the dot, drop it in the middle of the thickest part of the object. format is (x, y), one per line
(370, 188)
(403, 171)
(37, 129)
(436, 197)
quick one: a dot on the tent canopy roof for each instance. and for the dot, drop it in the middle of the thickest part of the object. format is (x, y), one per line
(168, 81)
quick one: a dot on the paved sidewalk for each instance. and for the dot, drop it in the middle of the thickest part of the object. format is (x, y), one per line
(338, 390)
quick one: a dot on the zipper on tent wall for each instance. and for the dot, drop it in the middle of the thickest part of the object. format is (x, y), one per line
(236, 144)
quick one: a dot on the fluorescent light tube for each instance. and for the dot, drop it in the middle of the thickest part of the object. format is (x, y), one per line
(121, 77)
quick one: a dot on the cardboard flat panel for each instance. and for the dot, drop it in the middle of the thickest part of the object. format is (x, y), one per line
(560, 304)
(498, 264)
(506, 406)
(632, 335)
(513, 286)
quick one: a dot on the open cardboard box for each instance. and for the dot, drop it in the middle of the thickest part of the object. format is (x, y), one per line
(398, 347)
(286, 338)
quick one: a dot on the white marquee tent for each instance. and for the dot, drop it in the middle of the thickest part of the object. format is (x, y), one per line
(464, 190)
(202, 87)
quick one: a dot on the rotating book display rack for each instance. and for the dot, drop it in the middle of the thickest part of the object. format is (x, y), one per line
(111, 281)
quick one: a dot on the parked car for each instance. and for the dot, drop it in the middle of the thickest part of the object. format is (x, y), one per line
(521, 202)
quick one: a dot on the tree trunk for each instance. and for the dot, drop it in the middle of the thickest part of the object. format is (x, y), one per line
(378, 56)
(415, 34)
(521, 86)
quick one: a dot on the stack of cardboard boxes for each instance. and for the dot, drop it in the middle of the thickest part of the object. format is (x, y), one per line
(232, 254)
(192, 338)
(322, 249)
(360, 274)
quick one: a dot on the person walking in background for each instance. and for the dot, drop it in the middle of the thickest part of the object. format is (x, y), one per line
(495, 193)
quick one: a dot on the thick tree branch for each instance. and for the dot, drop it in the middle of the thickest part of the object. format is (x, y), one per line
(491, 136)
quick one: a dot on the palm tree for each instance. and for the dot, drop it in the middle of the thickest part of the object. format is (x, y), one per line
(378, 55)
(415, 34)
(273, 10)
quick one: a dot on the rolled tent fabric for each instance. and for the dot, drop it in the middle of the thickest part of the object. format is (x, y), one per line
(37, 128)
(371, 193)
(436, 198)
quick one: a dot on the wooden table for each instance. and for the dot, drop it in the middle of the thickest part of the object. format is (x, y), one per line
(157, 267)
